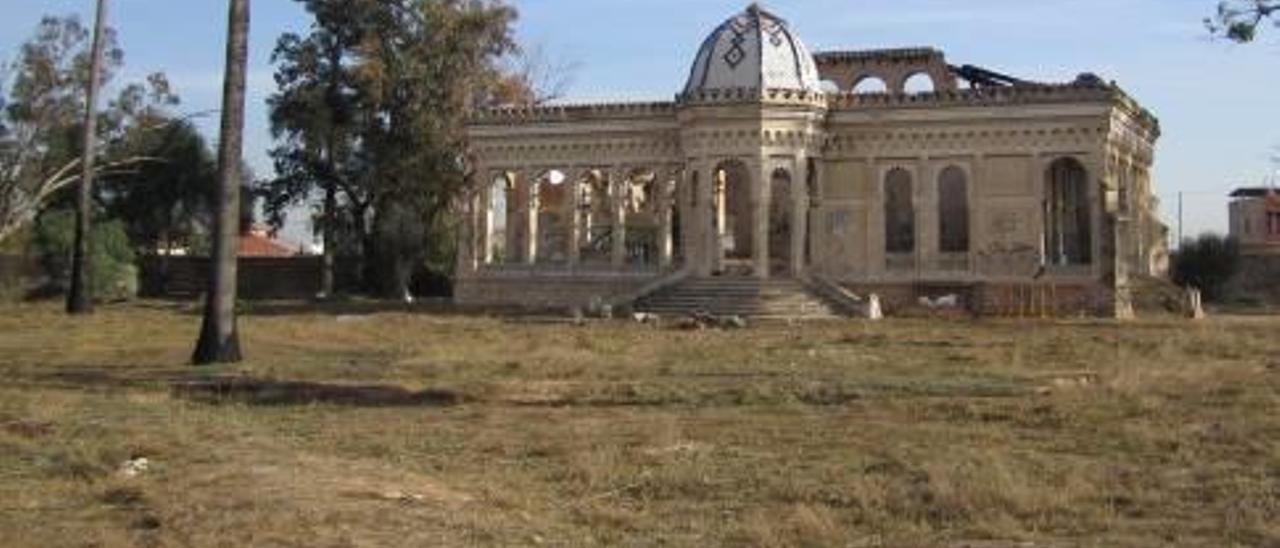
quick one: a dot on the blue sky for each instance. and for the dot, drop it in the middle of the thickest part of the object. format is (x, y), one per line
(1216, 101)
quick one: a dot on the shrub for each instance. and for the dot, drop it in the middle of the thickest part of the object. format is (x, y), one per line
(1207, 263)
(115, 276)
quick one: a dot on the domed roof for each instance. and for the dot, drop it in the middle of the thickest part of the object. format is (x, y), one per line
(754, 49)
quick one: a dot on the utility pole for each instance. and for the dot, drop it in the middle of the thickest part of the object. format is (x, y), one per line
(1180, 220)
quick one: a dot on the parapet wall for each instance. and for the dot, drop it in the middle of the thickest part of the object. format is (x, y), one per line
(893, 67)
(573, 113)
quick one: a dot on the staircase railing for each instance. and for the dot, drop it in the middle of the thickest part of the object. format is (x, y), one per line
(839, 298)
(653, 287)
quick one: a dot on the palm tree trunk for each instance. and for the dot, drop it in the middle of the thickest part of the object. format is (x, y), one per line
(80, 298)
(219, 340)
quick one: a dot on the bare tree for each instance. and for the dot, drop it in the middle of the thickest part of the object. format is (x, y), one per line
(527, 77)
(548, 79)
(80, 298)
(1238, 20)
(219, 340)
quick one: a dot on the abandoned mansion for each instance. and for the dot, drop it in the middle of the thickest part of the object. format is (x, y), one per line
(813, 179)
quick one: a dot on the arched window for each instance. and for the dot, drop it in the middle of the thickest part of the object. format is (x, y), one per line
(554, 216)
(829, 86)
(1068, 234)
(640, 201)
(733, 209)
(899, 212)
(918, 83)
(595, 218)
(953, 211)
(870, 84)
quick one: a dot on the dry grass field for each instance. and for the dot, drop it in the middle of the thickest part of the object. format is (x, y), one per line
(408, 428)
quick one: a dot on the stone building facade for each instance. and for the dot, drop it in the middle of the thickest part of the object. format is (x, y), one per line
(774, 162)
(1255, 220)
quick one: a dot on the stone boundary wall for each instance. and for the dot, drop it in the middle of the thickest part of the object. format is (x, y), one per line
(1012, 300)
(259, 278)
(1259, 277)
(19, 275)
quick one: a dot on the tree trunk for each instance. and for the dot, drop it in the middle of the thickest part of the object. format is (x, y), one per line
(219, 341)
(364, 255)
(330, 240)
(80, 297)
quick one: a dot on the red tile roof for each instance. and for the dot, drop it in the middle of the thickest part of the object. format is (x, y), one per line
(257, 243)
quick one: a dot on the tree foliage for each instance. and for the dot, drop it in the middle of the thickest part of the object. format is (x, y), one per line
(39, 139)
(115, 275)
(370, 114)
(164, 202)
(1238, 20)
(43, 99)
(1207, 263)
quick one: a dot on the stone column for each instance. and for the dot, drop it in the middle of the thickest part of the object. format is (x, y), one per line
(761, 192)
(530, 187)
(977, 211)
(618, 190)
(665, 187)
(703, 246)
(718, 226)
(1134, 211)
(513, 246)
(925, 203)
(479, 240)
(1100, 194)
(573, 178)
(875, 236)
(1037, 166)
(1120, 241)
(688, 221)
(799, 215)
(486, 216)
(469, 204)
(816, 235)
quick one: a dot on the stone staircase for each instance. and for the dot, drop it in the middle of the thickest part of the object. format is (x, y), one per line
(739, 296)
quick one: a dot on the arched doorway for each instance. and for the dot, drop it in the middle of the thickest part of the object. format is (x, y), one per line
(780, 221)
(733, 229)
(554, 207)
(640, 207)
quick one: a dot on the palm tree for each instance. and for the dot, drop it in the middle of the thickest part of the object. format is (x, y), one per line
(219, 341)
(80, 298)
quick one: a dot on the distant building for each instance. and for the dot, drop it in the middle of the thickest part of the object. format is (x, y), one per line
(1255, 220)
(258, 242)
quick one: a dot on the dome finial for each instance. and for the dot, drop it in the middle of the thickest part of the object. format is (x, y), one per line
(754, 8)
